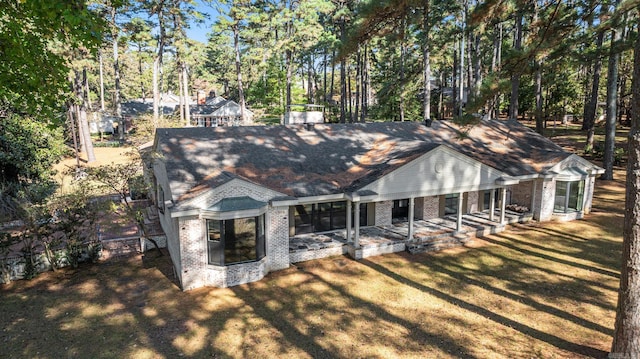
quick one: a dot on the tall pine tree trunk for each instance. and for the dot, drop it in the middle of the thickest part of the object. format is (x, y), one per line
(83, 124)
(236, 47)
(157, 68)
(343, 76)
(426, 64)
(590, 113)
(612, 104)
(626, 338)
(101, 81)
(539, 117)
(403, 55)
(365, 84)
(454, 84)
(185, 85)
(515, 77)
(116, 75)
(495, 67)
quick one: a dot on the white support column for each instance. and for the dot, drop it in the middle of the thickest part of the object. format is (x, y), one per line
(459, 219)
(503, 203)
(356, 214)
(533, 196)
(349, 225)
(410, 224)
(492, 205)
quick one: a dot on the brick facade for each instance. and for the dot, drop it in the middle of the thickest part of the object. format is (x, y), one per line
(545, 200)
(472, 202)
(521, 194)
(383, 213)
(194, 270)
(431, 207)
(589, 185)
(193, 251)
(277, 238)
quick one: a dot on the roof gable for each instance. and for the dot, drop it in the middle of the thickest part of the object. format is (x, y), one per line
(574, 163)
(442, 170)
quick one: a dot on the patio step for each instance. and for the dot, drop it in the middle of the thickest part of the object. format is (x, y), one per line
(439, 243)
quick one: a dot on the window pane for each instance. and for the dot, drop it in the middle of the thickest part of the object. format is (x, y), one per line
(214, 245)
(561, 197)
(450, 204)
(260, 242)
(240, 240)
(323, 218)
(339, 215)
(400, 209)
(486, 201)
(575, 195)
(363, 214)
(303, 219)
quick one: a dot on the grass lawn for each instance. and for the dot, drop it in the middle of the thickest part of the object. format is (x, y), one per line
(539, 290)
(533, 291)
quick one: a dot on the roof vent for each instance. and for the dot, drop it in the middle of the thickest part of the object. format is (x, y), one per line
(309, 126)
(427, 122)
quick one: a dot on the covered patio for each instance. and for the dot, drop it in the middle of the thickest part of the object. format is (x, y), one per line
(428, 235)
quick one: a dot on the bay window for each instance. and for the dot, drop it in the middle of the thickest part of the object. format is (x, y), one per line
(236, 240)
(569, 196)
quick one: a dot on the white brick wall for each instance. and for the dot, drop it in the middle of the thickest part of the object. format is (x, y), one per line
(196, 272)
(589, 185)
(307, 255)
(193, 247)
(278, 238)
(431, 207)
(383, 213)
(521, 193)
(545, 199)
(427, 207)
(472, 202)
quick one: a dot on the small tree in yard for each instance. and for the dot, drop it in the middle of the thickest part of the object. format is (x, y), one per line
(76, 215)
(125, 179)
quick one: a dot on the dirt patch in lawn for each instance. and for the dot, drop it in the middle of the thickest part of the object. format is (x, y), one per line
(532, 291)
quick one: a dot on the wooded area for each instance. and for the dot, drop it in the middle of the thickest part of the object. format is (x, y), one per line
(389, 60)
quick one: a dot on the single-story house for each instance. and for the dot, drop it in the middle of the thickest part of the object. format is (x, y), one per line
(232, 198)
(219, 112)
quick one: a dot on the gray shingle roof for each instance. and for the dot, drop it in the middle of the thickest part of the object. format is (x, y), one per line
(334, 158)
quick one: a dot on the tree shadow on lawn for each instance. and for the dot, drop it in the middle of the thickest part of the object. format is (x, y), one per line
(338, 313)
(515, 244)
(510, 266)
(457, 271)
(596, 249)
(108, 310)
(491, 315)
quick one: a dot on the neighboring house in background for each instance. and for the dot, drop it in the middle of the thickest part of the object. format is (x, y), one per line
(219, 112)
(231, 199)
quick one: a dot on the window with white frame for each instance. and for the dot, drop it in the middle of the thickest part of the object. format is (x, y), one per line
(569, 196)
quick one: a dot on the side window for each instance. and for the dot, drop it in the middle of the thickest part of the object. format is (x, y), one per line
(160, 199)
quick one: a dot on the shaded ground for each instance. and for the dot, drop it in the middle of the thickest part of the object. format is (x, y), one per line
(534, 291)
